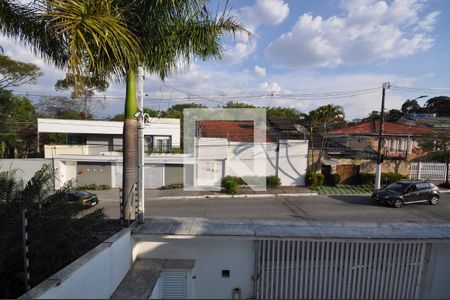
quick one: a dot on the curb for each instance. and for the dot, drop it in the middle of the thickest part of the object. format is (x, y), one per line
(234, 196)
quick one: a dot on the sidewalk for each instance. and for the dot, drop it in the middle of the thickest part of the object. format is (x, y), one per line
(285, 191)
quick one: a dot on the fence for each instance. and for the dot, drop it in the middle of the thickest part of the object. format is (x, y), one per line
(428, 171)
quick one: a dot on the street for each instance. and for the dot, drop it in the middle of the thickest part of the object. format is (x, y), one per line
(326, 208)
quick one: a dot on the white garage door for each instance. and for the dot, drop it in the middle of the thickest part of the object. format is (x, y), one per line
(296, 269)
(154, 176)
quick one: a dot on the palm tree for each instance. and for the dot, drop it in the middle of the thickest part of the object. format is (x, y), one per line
(99, 37)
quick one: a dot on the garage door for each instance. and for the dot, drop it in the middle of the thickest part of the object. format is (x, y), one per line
(173, 174)
(154, 175)
(297, 269)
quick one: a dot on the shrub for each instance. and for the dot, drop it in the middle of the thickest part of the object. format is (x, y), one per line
(230, 184)
(172, 186)
(273, 181)
(386, 178)
(92, 186)
(238, 180)
(390, 177)
(104, 187)
(365, 178)
(319, 179)
(309, 178)
(314, 180)
(334, 179)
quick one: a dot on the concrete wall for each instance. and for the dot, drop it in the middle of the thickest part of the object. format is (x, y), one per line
(91, 172)
(26, 167)
(95, 275)
(288, 160)
(211, 255)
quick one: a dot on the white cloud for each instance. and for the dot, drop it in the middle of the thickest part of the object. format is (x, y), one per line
(368, 31)
(260, 71)
(263, 12)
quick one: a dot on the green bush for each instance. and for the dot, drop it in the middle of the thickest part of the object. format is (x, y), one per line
(230, 184)
(92, 186)
(386, 178)
(104, 187)
(390, 177)
(238, 180)
(365, 178)
(273, 181)
(314, 180)
(172, 186)
(309, 178)
(334, 179)
(319, 179)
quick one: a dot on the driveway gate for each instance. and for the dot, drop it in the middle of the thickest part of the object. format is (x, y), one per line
(300, 269)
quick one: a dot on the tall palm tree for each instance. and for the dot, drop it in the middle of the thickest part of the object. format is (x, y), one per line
(167, 32)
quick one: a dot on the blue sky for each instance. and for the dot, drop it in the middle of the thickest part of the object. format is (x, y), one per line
(305, 47)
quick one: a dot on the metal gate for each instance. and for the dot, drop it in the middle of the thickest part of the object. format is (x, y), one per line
(299, 269)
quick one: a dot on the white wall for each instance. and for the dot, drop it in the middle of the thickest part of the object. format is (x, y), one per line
(211, 255)
(250, 159)
(94, 275)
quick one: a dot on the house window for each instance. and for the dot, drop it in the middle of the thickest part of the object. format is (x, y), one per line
(161, 144)
(401, 145)
(392, 144)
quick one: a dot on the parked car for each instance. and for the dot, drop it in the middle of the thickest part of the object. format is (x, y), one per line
(83, 197)
(407, 192)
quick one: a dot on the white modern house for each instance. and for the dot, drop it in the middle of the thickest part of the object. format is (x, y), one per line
(87, 137)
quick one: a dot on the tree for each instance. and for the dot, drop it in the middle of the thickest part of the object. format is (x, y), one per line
(176, 111)
(232, 104)
(15, 73)
(63, 108)
(439, 106)
(17, 125)
(285, 112)
(393, 115)
(327, 116)
(411, 106)
(438, 145)
(83, 93)
(167, 31)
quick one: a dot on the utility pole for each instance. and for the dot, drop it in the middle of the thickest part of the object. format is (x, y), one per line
(386, 85)
(141, 150)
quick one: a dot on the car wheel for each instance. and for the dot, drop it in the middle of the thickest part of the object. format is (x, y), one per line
(398, 203)
(434, 200)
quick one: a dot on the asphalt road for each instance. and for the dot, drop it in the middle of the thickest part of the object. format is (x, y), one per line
(326, 208)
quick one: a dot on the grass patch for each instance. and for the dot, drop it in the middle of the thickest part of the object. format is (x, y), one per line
(344, 189)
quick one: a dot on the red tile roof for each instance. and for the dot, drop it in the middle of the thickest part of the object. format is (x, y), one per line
(372, 128)
(237, 131)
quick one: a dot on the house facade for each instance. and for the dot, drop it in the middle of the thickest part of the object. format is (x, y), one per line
(399, 141)
(88, 137)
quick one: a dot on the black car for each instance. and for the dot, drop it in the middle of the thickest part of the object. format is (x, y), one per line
(85, 198)
(407, 192)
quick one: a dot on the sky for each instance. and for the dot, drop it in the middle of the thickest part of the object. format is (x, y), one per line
(302, 54)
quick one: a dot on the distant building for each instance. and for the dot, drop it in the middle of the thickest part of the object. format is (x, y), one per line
(399, 140)
(426, 120)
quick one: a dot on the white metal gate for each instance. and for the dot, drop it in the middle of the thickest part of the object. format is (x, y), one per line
(299, 269)
(428, 171)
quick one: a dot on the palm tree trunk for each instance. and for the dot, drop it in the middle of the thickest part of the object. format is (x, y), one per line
(130, 148)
